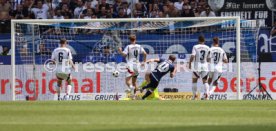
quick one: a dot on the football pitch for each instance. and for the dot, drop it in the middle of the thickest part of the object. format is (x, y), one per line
(138, 116)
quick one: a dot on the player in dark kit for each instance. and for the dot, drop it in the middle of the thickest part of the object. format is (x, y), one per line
(163, 67)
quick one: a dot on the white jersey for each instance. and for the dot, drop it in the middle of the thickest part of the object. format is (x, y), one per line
(133, 52)
(41, 13)
(201, 52)
(217, 55)
(59, 55)
(78, 11)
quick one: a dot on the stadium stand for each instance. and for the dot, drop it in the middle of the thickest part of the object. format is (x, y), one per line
(95, 9)
(91, 9)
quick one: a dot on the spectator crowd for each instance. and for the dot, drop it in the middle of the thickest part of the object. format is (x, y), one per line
(92, 9)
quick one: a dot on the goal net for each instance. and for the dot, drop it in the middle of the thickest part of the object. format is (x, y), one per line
(94, 44)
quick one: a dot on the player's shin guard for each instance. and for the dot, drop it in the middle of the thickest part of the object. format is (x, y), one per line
(131, 87)
(206, 88)
(206, 91)
(194, 89)
(58, 91)
(131, 90)
(212, 90)
(69, 87)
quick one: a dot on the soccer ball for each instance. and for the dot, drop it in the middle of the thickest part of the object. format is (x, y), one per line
(116, 73)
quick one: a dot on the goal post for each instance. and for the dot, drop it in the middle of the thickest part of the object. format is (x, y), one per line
(13, 60)
(179, 30)
(238, 56)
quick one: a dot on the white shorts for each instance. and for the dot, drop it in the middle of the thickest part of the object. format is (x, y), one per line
(63, 76)
(216, 68)
(200, 74)
(132, 70)
(215, 76)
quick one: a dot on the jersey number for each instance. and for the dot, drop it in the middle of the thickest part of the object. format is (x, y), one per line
(60, 56)
(163, 67)
(202, 55)
(135, 53)
(217, 56)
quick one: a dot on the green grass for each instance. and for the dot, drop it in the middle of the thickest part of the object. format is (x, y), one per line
(138, 115)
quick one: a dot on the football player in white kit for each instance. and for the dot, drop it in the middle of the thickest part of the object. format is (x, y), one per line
(199, 65)
(217, 57)
(62, 56)
(132, 54)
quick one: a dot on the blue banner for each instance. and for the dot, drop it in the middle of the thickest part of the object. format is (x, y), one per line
(91, 47)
